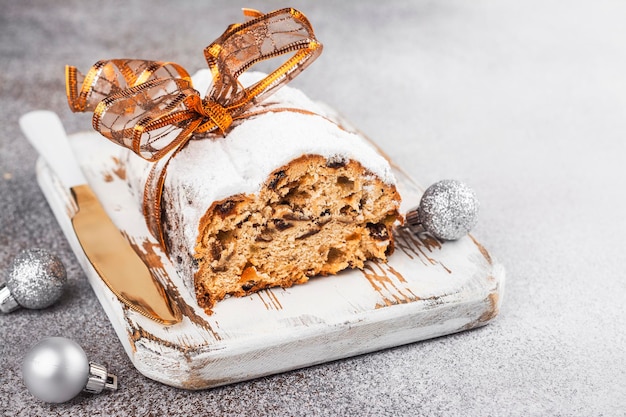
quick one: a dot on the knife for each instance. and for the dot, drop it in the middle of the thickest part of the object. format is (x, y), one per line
(111, 255)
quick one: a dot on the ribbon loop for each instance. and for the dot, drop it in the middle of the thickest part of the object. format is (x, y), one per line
(261, 38)
(105, 78)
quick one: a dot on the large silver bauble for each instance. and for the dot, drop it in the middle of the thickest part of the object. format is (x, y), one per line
(55, 370)
(36, 278)
(448, 209)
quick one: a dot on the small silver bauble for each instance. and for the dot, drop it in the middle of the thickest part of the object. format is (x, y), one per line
(56, 369)
(448, 210)
(36, 280)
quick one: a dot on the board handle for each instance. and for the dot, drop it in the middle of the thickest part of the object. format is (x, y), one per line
(45, 132)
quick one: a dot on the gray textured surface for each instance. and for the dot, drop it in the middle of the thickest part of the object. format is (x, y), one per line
(524, 101)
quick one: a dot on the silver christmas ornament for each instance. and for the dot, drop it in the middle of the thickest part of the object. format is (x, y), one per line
(36, 280)
(448, 210)
(56, 369)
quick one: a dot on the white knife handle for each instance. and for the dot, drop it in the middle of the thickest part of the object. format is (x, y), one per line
(45, 132)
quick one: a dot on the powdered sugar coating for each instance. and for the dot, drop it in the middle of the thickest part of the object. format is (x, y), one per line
(212, 169)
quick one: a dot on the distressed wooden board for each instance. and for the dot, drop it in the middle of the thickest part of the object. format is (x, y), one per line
(427, 289)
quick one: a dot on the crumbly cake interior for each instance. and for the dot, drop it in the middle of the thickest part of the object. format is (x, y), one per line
(314, 216)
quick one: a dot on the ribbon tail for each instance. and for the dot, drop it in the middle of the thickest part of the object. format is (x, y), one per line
(251, 14)
(264, 37)
(152, 197)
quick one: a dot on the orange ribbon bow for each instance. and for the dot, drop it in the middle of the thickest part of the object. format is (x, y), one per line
(152, 108)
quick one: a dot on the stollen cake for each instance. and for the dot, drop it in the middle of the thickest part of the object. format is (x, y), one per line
(285, 195)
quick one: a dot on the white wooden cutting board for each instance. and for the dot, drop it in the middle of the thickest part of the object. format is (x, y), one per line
(427, 289)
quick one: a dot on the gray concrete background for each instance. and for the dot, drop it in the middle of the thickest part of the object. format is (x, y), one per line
(525, 101)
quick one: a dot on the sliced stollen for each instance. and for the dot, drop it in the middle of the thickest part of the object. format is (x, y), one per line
(284, 196)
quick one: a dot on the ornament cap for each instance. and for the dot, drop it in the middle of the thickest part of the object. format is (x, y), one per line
(413, 217)
(100, 379)
(8, 303)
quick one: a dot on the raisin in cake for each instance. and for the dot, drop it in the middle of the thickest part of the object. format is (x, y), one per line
(283, 197)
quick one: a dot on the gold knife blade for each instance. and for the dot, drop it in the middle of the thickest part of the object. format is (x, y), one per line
(111, 255)
(116, 262)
